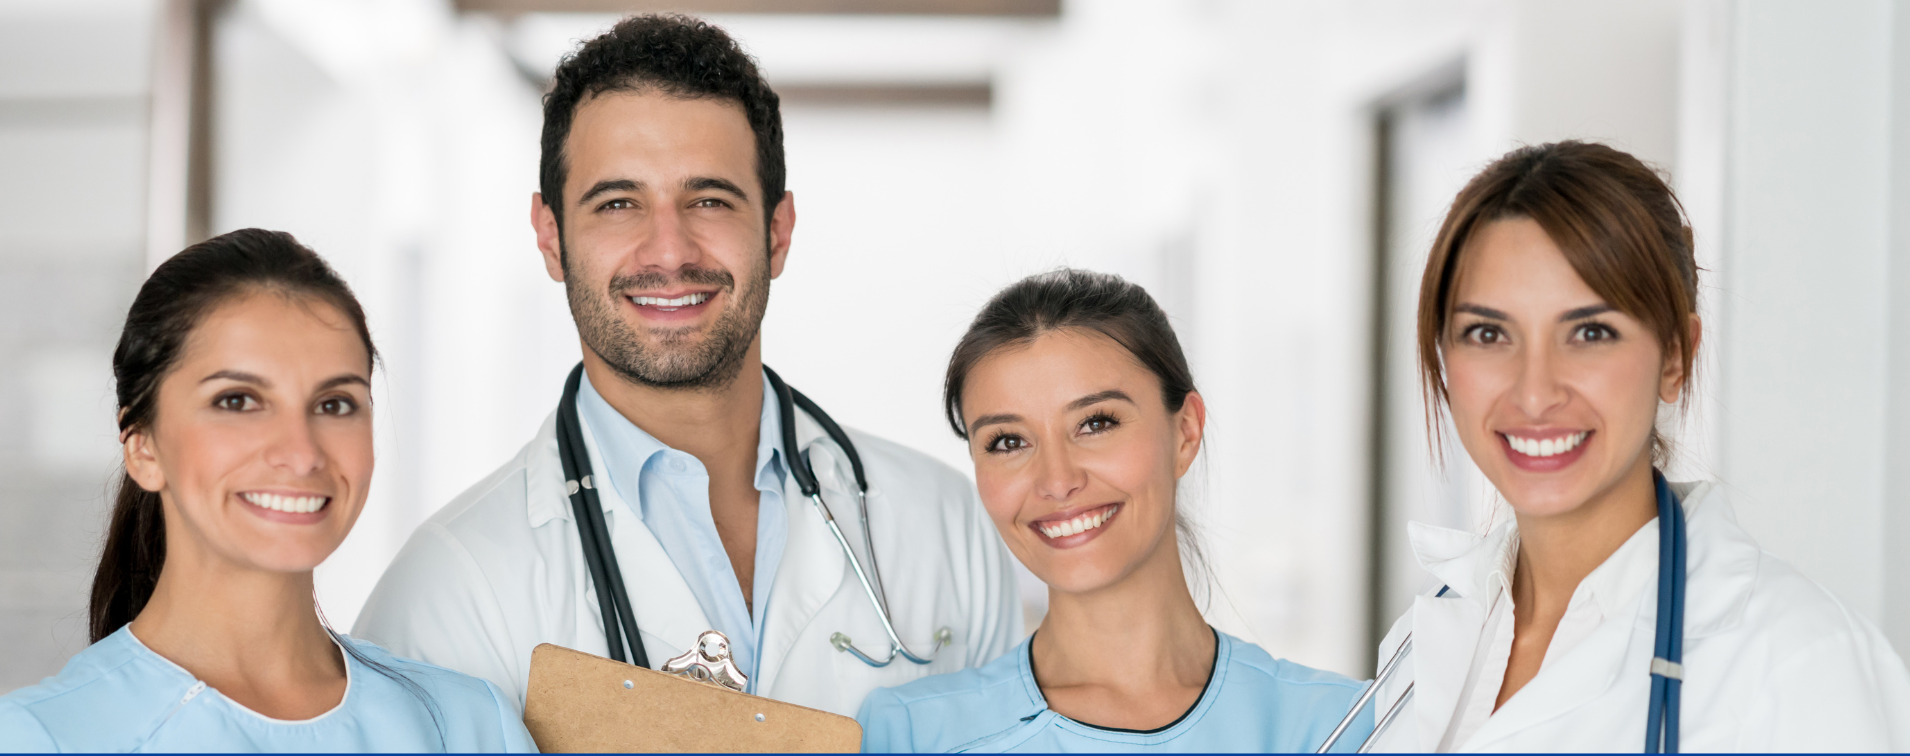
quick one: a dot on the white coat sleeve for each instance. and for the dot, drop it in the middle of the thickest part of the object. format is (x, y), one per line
(435, 604)
(1848, 692)
(995, 622)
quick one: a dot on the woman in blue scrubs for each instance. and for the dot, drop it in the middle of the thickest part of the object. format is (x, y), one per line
(243, 379)
(1081, 417)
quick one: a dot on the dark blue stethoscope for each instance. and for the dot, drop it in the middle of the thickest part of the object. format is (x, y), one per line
(1667, 667)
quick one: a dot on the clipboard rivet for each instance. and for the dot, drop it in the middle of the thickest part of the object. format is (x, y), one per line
(759, 717)
(628, 685)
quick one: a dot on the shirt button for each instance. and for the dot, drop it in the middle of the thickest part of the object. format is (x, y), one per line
(676, 465)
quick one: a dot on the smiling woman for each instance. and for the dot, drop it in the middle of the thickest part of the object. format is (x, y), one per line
(244, 386)
(1615, 609)
(1081, 417)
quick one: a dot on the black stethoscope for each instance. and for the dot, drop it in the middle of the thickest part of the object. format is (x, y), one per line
(1667, 667)
(613, 599)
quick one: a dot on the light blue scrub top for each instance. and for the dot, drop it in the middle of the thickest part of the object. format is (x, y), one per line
(670, 490)
(1253, 703)
(117, 695)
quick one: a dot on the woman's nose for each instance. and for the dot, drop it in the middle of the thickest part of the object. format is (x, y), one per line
(1539, 390)
(294, 447)
(1060, 477)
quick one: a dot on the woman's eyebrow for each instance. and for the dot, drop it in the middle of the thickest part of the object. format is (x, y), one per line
(1585, 312)
(1099, 397)
(237, 375)
(344, 379)
(1484, 312)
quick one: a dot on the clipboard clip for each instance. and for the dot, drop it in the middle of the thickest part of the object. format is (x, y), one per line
(709, 661)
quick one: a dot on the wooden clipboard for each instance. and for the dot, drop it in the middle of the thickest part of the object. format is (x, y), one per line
(582, 703)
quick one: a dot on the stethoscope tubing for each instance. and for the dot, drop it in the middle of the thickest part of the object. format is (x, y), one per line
(600, 556)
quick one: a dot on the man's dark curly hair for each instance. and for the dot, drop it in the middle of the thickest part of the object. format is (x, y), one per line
(678, 56)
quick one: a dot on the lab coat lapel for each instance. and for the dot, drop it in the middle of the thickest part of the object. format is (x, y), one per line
(813, 568)
(1446, 628)
(1445, 636)
(668, 614)
(1581, 676)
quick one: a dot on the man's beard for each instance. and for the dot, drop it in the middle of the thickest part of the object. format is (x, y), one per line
(675, 361)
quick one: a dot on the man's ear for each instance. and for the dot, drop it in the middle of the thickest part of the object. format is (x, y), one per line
(782, 226)
(142, 460)
(549, 240)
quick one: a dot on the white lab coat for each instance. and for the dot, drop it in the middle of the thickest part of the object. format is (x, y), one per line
(1772, 661)
(501, 569)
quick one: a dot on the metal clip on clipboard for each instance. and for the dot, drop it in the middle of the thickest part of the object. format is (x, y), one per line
(709, 662)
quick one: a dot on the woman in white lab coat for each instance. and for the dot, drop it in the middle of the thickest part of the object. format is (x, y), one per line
(1557, 315)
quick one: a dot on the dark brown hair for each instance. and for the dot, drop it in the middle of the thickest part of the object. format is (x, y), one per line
(1071, 299)
(1618, 224)
(678, 56)
(173, 301)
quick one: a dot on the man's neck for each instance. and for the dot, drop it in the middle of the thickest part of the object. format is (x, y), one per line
(712, 423)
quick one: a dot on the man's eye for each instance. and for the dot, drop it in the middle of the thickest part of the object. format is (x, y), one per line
(617, 204)
(236, 402)
(709, 202)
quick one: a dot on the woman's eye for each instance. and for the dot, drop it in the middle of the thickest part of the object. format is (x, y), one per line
(1594, 332)
(236, 402)
(1484, 334)
(1099, 424)
(336, 405)
(1006, 442)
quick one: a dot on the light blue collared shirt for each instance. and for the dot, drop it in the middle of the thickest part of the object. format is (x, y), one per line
(671, 492)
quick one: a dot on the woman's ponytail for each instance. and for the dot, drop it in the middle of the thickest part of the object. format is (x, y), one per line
(129, 565)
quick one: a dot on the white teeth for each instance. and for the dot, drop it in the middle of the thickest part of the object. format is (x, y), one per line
(682, 301)
(1080, 524)
(1546, 447)
(293, 504)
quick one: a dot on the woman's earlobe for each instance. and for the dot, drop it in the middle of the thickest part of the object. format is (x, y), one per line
(142, 464)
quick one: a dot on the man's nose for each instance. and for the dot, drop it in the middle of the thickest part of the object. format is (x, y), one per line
(669, 245)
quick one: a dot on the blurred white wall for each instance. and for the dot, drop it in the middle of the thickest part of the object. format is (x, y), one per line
(74, 80)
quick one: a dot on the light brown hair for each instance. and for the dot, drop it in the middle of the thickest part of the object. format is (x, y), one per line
(1618, 224)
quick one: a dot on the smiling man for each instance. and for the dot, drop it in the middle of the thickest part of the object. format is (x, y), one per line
(663, 213)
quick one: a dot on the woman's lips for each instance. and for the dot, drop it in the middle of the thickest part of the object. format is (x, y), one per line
(1545, 453)
(1068, 529)
(291, 508)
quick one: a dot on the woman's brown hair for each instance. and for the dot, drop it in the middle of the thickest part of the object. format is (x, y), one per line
(172, 302)
(1618, 224)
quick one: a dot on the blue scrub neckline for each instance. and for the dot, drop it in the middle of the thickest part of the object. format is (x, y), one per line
(1212, 669)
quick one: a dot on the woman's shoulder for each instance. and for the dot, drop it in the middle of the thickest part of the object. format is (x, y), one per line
(441, 683)
(939, 712)
(1736, 585)
(1253, 665)
(62, 711)
(475, 714)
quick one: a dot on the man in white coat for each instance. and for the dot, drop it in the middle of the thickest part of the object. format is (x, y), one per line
(663, 212)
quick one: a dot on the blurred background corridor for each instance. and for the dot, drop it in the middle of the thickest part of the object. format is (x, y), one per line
(1271, 171)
